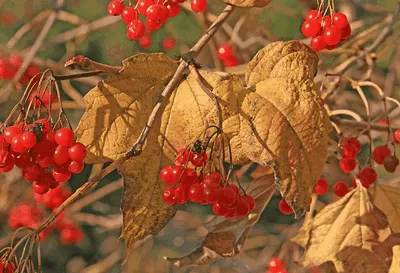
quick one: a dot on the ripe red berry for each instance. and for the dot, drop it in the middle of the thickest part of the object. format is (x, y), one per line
(397, 136)
(135, 30)
(352, 141)
(380, 153)
(61, 174)
(115, 7)
(76, 167)
(210, 194)
(311, 28)
(275, 264)
(64, 137)
(60, 156)
(44, 124)
(171, 174)
(28, 139)
(390, 163)
(326, 22)
(349, 151)
(318, 43)
(7, 162)
(16, 145)
(251, 201)
(143, 5)
(11, 132)
(367, 176)
(332, 35)
(168, 195)
(21, 160)
(284, 207)
(40, 186)
(340, 188)
(168, 43)
(340, 20)
(71, 235)
(77, 152)
(145, 42)
(231, 61)
(224, 52)
(198, 5)
(181, 194)
(313, 14)
(129, 14)
(189, 177)
(321, 186)
(347, 164)
(227, 196)
(31, 172)
(173, 8)
(153, 12)
(51, 136)
(199, 160)
(219, 209)
(212, 179)
(7, 269)
(196, 193)
(184, 156)
(242, 208)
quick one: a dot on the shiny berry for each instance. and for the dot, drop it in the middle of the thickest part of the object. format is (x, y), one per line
(115, 7)
(60, 156)
(76, 167)
(313, 14)
(129, 14)
(349, 151)
(397, 136)
(196, 193)
(168, 195)
(64, 137)
(210, 195)
(227, 196)
(135, 30)
(284, 207)
(219, 209)
(181, 194)
(311, 28)
(77, 152)
(11, 132)
(184, 156)
(31, 172)
(28, 139)
(212, 179)
(347, 164)
(275, 264)
(224, 52)
(318, 43)
(340, 20)
(332, 35)
(61, 174)
(326, 22)
(368, 176)
(340, 189)
(40, 186)
(242, 208)
(173, 8)
(345, 33)
(199, 160)
(198, 5)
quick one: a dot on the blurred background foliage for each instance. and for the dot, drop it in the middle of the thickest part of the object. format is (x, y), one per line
(101, 250)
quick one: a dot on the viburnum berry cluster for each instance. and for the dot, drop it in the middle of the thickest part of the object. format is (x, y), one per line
(44, 150)
(190, 184)
(9, 67)
(225, 53)
(7, 267)
(156, 13)
(275, 265)
(325, 31)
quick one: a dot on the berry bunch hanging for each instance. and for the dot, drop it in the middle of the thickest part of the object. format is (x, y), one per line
(326, 28)
(44, 150)
(225, 53)
(7, 267)
(211, 188)
(156, 13)
(9, 67)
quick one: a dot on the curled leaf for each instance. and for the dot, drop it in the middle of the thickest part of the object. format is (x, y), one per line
(395, 267)
(247, 3)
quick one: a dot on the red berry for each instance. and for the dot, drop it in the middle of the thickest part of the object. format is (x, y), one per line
(235, 188)
(284, 207)
(345, 33)
(349, 151)
(153, 25)
(318, 43)
(275, 264)
(199, 160)
(210, 194)
(367, 176)
(60, 156)
(145, 42)
(40, 186)
(173, 8)
(184, 156)
(397, 136)
(9, 269)
(212, 179)
(168, 195)
(311, 28)
(166, 175)
(168, 43)
(153, 12)
(11, 132)
(64, 137)
(16, 145)
(219, 209)
(224, 52)
(340, 20)
(28, 140)
(380, 153)
(115, 7)
(340, 188)
(77, 152)
(129, 14)
(198, 5)
(51, 136)
(321, 187)
(143, 5)
(21, 160)
(189, 177)
(227, 196)
(231, 61)
(71, 235)
(326, 22)
(76, 167)
(31, 171)
(135, 30)
(61, 174)
(251, 201)
(181, 194)
(347, 164)
(44, 124)
(196, 193)
(242, 208)
(332, 35)
(7, 163)
(352, 141)
(313, 14)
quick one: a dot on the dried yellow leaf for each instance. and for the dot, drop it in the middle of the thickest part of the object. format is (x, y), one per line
(247, 3)
(395, 267)
(387, 199)
(352, 233)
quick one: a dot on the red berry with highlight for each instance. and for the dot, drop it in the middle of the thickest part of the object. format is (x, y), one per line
(332, 35)
(224, 52)
(196, 193)
(64, 137)
(275, 264)
(340, 20)
(198, 5)
(313, 14)
(77, 152)
(318, 43)
(28, 139)
(135, 30)
(129, 14)
(347, 164)
(168, 195)
(284, 207)
(311, 28)
(115, 7)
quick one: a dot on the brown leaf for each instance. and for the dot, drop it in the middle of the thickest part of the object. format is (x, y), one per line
(118, 109)
(350, 226)
(395, 267)
(387, 199)
(261, 171)
(226, 238)
(291, 59)
(247, 3)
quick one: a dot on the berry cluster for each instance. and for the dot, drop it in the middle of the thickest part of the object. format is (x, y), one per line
(9, 67)
(275, 265)
(9, 269)
(46, 157)
(382, 155)
(156, 13)
(225, 53)
(351, 147)
(327, 32)
(190, 185)
(24, 215)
